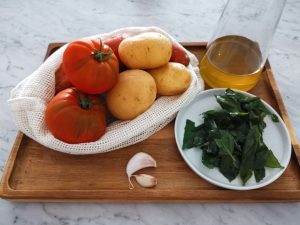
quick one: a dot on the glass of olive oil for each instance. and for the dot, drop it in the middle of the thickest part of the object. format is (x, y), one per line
(238, 49)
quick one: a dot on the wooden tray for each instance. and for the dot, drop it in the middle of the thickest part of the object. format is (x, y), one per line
(35, 173)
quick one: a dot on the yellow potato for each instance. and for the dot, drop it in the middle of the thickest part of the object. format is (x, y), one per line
(133, 94)
(171, 79)
(145, 51)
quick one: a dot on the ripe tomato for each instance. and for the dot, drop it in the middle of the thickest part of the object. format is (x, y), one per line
(61, 80)
(179, 55)
(91, 66)
(114, 43)
(74, 117)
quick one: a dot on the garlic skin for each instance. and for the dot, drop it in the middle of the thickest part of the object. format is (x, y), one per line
(139, 161)
(146, 180)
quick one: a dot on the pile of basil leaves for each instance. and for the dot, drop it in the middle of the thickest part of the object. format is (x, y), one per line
(231, 138)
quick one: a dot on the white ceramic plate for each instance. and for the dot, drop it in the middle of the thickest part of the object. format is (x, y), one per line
(275, 136)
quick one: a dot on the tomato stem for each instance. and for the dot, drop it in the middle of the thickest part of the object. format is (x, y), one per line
(101, 56)
(84, 102)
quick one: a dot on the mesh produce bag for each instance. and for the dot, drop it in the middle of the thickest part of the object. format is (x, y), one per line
(29, 99)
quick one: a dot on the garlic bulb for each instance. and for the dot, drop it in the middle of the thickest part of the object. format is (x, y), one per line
(146, 180)
(139, 161)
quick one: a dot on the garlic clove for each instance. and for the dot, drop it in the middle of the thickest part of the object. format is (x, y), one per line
(139, 161)
(146, 180)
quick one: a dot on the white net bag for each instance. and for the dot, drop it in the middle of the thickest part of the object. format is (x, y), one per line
(29, 99)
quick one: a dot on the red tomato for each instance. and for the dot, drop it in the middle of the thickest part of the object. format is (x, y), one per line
(114, 43)
(61, 80)
(91, 66)
(179, 55)
(74, 117)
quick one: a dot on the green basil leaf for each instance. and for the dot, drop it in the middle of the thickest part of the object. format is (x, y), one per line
(272, 161)
(248, 157)
(220, 118)
(261, 157)
(274, 118)
(229, 167)
(189, 135)
(210, 160)
(259, 174)
(259, 163)
(228, 103)
(257, 106)
(225, 144)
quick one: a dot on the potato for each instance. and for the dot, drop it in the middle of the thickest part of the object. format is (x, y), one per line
(145, 51)
(133, 94)
(171, 79)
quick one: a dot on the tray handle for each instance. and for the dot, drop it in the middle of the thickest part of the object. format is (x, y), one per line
(283, 111)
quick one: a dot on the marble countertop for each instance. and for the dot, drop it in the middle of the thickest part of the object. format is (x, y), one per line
(26, 28)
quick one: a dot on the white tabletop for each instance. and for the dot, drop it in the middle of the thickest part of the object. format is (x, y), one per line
(26, 28)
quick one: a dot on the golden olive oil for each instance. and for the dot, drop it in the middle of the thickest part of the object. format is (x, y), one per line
(232, 62)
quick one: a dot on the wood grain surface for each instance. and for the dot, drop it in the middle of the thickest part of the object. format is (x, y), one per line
(36, 173)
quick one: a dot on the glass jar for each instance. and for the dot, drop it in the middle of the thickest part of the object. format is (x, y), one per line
(238, 49)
